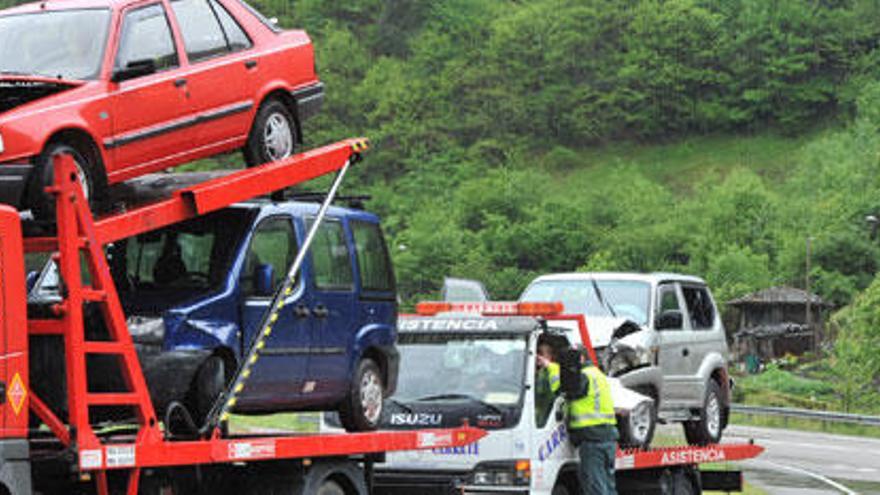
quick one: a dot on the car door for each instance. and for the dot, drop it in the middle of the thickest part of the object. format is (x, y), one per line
(333, 309)
(277, 379)
(149, 113)
(675, 346)
(218, 75)
(706, 337)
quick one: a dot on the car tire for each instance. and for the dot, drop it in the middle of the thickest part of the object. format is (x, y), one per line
(560, 489)
(708, 429)
(362, 409)
(41, 203)
(210, 381)
(330, 487)
(637, 428)
(273, 135)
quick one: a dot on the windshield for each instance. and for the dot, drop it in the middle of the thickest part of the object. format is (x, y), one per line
(485, 369)
(622, 298)
(67, 44)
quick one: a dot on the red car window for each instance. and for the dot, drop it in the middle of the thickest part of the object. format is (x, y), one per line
(146, 35)
(208, 30)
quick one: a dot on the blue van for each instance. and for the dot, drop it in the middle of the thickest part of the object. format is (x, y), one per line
(195, 292)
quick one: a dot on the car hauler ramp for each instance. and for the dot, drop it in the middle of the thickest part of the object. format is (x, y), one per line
(79, 242)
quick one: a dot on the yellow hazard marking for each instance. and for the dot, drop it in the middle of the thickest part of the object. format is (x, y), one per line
(17, 393)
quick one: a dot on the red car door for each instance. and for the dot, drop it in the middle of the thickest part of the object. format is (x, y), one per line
(219, 73)
(152, 114)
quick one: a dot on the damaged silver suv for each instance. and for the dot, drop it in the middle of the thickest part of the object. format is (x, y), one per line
(674, 351)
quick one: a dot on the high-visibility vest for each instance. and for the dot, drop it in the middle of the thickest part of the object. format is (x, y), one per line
(552, 376)
(596, 408)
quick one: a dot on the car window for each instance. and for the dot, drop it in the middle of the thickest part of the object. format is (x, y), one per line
(372, 256)
(208, 30)
(700, 307)
(146, 35)
(236, 38)
(331, 258)
(273, 243)
(668, 300)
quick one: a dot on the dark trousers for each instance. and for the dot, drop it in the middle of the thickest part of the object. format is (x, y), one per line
(596, 469)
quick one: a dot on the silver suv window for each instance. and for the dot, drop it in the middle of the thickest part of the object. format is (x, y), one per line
(700, 308)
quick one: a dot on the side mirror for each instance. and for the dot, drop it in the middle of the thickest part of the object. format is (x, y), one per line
(134, 69)
(31, 280)
(264, 280)
(671, 319)
(559, 405)
(626, 328)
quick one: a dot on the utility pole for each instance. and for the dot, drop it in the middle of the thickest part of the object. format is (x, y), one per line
(809, 315)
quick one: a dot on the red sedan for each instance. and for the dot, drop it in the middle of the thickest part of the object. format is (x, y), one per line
(131, 87)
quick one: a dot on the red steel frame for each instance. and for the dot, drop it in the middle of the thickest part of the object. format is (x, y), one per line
(80, 236)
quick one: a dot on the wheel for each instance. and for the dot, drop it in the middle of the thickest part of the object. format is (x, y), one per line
(560, 489)
(209, 383)
(89, 170)
(363, 407)
(330, 487)
(708, 428)
(637, 428)
(273, 136)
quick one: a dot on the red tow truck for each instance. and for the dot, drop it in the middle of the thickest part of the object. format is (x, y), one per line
(76, 454)
(476, 362)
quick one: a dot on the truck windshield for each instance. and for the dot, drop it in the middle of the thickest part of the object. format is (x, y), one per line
(65, 44)
(488, 370)
(623, 298)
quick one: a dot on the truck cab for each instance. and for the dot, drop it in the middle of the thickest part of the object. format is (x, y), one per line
(195, 293)
(482, 370)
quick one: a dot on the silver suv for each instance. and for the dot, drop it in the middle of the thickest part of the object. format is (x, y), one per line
(662, 336)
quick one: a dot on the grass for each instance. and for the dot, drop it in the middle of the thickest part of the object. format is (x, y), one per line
(806, 425)
(677, 164)
(292, 422)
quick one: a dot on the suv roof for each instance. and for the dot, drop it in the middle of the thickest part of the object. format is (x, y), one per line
(301, 208)
(653, 278)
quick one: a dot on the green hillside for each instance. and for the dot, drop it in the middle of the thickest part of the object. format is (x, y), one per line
(711, 137)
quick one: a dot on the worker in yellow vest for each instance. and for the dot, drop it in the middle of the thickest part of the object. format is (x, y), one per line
(546, 382)
(591, 422)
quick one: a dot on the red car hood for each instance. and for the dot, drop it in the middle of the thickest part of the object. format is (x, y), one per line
(16, 91)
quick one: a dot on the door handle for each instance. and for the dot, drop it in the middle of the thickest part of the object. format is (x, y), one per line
(179, 83)
(301, 311)
(250, 64)
(320, 311)
(685, 352)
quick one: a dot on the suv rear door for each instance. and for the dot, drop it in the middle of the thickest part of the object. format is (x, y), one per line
(707, 335)
(676, 344)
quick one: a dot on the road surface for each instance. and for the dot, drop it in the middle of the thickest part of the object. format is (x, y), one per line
(797, 461)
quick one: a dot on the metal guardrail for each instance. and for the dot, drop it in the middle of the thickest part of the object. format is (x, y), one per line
(790, 412)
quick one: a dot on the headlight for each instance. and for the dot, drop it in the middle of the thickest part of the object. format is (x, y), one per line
(2, 148)
(626, 358)
(503, 473)
(146, 330)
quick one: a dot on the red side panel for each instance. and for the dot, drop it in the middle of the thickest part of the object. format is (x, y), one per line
(13, 328)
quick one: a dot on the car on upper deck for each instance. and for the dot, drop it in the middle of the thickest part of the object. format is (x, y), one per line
(195, 294)
(130, 87)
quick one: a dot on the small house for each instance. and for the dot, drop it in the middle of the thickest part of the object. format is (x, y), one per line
(777, 321)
